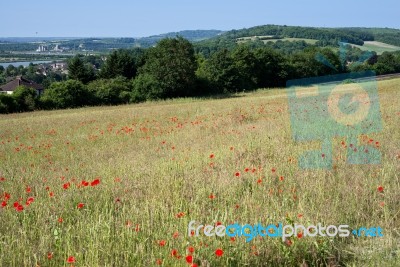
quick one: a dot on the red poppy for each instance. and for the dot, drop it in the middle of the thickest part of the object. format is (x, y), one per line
(3, 204)
(162, 243)
(95, 182)
(259, 181)
(281, 178)
(66, 185)
(49, 255)
(19, 208)
(159, 261)
(84, 183)
(174, 253)
(237, 174)
(189, 259)
(380, 189)
(194, 265)
(7, 196)
(211, 156)
(2, 179)
(219, 252)
(211, 196)
(30, 200)
(71, 259)
(28, 190)
(299, 235)
(175, 235)
(246, 170)
(60, 220)
(80, 205)
(191, 249)
(273, 170)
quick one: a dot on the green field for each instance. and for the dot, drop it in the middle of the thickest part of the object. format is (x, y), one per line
(117, 186)
(253, 38)
(378, 47)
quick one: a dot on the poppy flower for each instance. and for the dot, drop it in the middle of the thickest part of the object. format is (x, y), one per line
(60, 220)
(49, 255)
(211, 156)
(3, 204)
(162, 243)
(19, 208)
(191, 249)
(71, 259)
(84, 183)
(159, 261)
(174, 253)
(194, 265)
(380, 189)
(219, 252)
(175, 235)
(189, 259)
(95, 182)
(66, 185)
(299, 235)
(237, 174)
(211, 196)
(80, 205)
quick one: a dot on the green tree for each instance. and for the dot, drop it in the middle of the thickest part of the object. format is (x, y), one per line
(119, 63)
(221, 72)
(246, 65)
(25, 98)
(110, 91)
(80, 71)
(66, 94)
(172, 64)
(7, 104)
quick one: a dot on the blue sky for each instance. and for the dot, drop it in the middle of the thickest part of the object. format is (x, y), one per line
(124, 18)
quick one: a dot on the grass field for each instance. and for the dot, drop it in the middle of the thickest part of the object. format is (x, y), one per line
(378, 47)
(118, 186)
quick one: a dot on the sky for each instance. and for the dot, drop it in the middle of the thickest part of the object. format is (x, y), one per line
(131, 18)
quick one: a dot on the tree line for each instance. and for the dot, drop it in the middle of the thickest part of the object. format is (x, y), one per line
(173, 69)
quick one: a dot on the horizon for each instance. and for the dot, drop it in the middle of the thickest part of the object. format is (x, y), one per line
(161, 33)
(123, 18)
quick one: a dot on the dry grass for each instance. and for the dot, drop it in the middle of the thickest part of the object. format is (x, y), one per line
(153, 162)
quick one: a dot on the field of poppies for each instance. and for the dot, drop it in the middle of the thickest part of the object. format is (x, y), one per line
(118, 186)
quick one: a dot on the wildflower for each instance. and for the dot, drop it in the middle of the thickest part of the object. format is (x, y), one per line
(380, 189)
(80, 205)
(237, 174)
(174, 253)
(189, 259)
(211, 156)
(95, 182)
(162, 243)
(219, 252)
(191, 249)
(159, 261)
(71, 259)
(49, 255)
(66, 185)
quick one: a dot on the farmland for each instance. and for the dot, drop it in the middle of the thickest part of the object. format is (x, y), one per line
(117, 186)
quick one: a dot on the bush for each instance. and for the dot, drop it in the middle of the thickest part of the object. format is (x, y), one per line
(25, 98)
(110, 92)
(67, 94)
(146, 87)
(7, 104)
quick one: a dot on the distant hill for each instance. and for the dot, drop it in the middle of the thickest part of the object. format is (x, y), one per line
(318, 36)
(191, 35)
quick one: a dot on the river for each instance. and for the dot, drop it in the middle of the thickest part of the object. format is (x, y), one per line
(23, 63)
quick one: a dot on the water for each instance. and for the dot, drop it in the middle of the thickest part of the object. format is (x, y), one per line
(23, 63)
